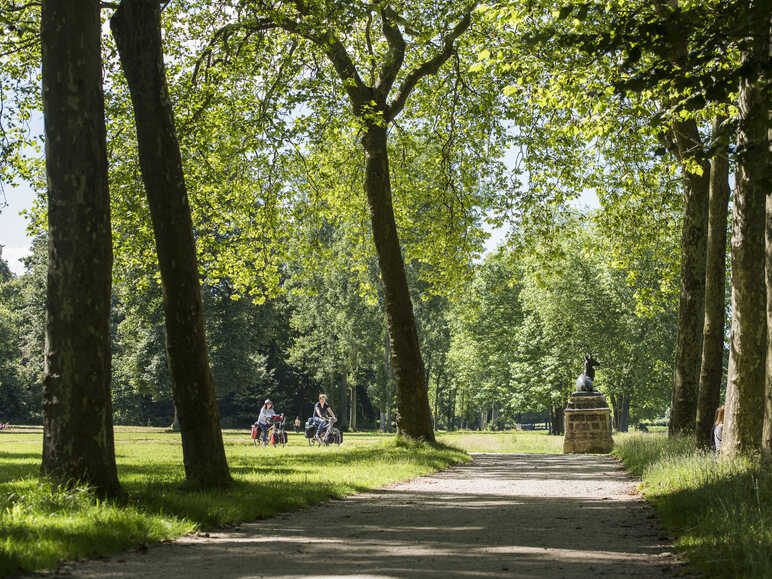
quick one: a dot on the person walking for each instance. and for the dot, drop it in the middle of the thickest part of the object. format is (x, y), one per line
(718, 428)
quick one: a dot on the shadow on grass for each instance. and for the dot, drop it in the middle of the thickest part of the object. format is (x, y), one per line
(724, 526)
(277, 483)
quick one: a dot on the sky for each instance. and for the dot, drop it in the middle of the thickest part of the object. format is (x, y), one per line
(13, 227)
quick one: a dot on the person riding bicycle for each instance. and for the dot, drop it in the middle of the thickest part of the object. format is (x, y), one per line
(264, 420)
(322, 411)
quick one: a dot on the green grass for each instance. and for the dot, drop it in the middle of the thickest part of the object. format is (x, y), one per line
(41, 526)
(718, 508)
(526, 441)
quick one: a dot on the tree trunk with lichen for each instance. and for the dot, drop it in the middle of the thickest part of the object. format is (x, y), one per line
(77, 410)
(745, 398)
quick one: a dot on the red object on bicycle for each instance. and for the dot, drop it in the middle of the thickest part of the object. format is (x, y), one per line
(255, 430)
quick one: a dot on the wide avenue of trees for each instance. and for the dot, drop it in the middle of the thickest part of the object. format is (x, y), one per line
(244, 199)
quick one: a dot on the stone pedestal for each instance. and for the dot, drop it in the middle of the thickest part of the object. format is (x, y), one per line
(587, 424)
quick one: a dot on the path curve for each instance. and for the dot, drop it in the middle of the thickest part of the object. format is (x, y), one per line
(501, 515)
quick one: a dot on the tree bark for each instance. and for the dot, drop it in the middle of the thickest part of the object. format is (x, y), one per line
(77, 410)
(136, 26)
(744, 414)
(621, 407)
(686, 145)
(414, 418)
(691, 306)
(343, 409)
(715, 311)
(766, 435)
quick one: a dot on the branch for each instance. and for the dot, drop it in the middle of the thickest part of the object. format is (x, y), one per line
(431, 66)
(395, 56)
(356, 89)
(224, 33)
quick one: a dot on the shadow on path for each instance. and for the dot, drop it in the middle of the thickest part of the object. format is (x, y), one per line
(503, 515)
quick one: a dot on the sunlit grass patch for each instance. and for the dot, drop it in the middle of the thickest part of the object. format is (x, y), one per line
(525, 441)
(719, 508)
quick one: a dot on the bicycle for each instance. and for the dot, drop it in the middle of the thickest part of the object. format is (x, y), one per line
(275, 435)
(330, 434)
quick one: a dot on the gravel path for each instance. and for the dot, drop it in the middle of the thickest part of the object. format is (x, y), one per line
(502, 515)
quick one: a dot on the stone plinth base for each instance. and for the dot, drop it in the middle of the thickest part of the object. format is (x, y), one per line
(587, 424)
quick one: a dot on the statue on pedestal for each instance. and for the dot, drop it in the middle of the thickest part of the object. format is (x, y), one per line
(584, 383)
(588, 427)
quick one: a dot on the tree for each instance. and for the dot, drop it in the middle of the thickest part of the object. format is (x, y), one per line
(136, 25)
(24, 297)
(375, 105)
(743, 418)
(78, 436)
(711, 369)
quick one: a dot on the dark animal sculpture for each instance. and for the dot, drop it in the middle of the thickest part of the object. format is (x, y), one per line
(584, 383)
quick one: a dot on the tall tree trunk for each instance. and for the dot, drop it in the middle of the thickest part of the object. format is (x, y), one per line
(343, 409)
(77, 410)
(435, 404)
(414, 418)
(354, 402)
(744, 414)
(691, 304)
(136, 25)
(621, 406)
(175, 425)
(686, 145)
(715, 311)
(766, 435)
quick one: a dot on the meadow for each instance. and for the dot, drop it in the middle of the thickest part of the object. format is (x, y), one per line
(41, 526)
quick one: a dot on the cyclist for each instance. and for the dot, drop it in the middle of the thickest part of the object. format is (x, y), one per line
(264, 420)
(322, 411)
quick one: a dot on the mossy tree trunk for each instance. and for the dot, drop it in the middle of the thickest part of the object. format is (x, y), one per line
(77, 411)
(136, 25)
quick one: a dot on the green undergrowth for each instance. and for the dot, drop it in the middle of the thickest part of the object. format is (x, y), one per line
(719, 508)
(41, 526)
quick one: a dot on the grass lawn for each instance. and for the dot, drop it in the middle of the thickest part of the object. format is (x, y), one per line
(40, 526)
(527, 441)
(720, 509)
